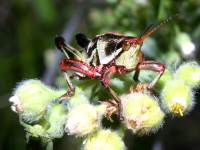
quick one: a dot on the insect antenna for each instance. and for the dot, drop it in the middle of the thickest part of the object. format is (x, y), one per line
(148, 28)
(153, 28)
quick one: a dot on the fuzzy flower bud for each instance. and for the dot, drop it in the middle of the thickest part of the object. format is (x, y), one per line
(104, 140)
(30, 99)
(142, 113)
(56, 117)
(84, 119)
(167, 75)
(36, 131)
(50, 126)
(77, 99)
(190, 73)
(177, 97)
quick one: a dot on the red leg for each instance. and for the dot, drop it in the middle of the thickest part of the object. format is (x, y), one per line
(154, 66)
(77, 66)
(105, 78)
(108, 71)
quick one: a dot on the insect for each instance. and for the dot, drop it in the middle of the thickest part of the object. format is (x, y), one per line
(108, 54)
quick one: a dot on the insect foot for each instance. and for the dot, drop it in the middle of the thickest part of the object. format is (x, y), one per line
(111, 108)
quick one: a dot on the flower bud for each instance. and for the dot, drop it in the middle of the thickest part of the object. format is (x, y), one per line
(167, 75)
(56, 117)
(77, 99)
(177, 97)
(142, 113)
(31, 98)
(84, 119)
(49, 127)
(104, 140)
(189, 73)
(37, 130)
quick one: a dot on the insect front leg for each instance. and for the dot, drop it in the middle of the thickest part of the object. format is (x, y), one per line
(105, 81)
(154, 66)
(79, 67)
(70, 91)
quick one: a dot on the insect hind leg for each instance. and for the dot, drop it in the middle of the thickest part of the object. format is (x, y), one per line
(136, 74)
(154, 66)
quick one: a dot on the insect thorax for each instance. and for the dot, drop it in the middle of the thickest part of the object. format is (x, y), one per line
(129, 58)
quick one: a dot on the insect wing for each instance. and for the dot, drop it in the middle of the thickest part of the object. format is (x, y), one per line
(107, 50)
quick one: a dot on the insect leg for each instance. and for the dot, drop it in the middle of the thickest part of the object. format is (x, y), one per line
(136, 74)
(77, 75)
(78, 66)
(105, 81)
(117, 100)
(154, 66)
(70, 91)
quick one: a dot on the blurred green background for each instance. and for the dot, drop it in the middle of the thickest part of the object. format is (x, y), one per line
(27, 32)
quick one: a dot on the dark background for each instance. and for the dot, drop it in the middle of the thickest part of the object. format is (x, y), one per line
(27, 31)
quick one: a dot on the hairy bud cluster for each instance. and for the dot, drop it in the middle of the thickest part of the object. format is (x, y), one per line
(44, 116)
(177, 93)
(31, 98)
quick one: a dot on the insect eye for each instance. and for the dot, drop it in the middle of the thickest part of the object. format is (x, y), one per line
(126, 46)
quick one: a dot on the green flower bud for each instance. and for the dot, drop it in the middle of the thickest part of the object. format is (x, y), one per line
(177, 97)
(142, 113)
(56, 117)
(77, 99)
(190, 73)
(84, 119)
(167, 75)
(31, 98)
(104, 140)
(36, 131)
(49, 127)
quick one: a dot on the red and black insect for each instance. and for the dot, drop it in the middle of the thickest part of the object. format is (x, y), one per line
(107, 54)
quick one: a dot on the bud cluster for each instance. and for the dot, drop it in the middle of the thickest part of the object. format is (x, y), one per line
(44, 116)
(177, 92)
